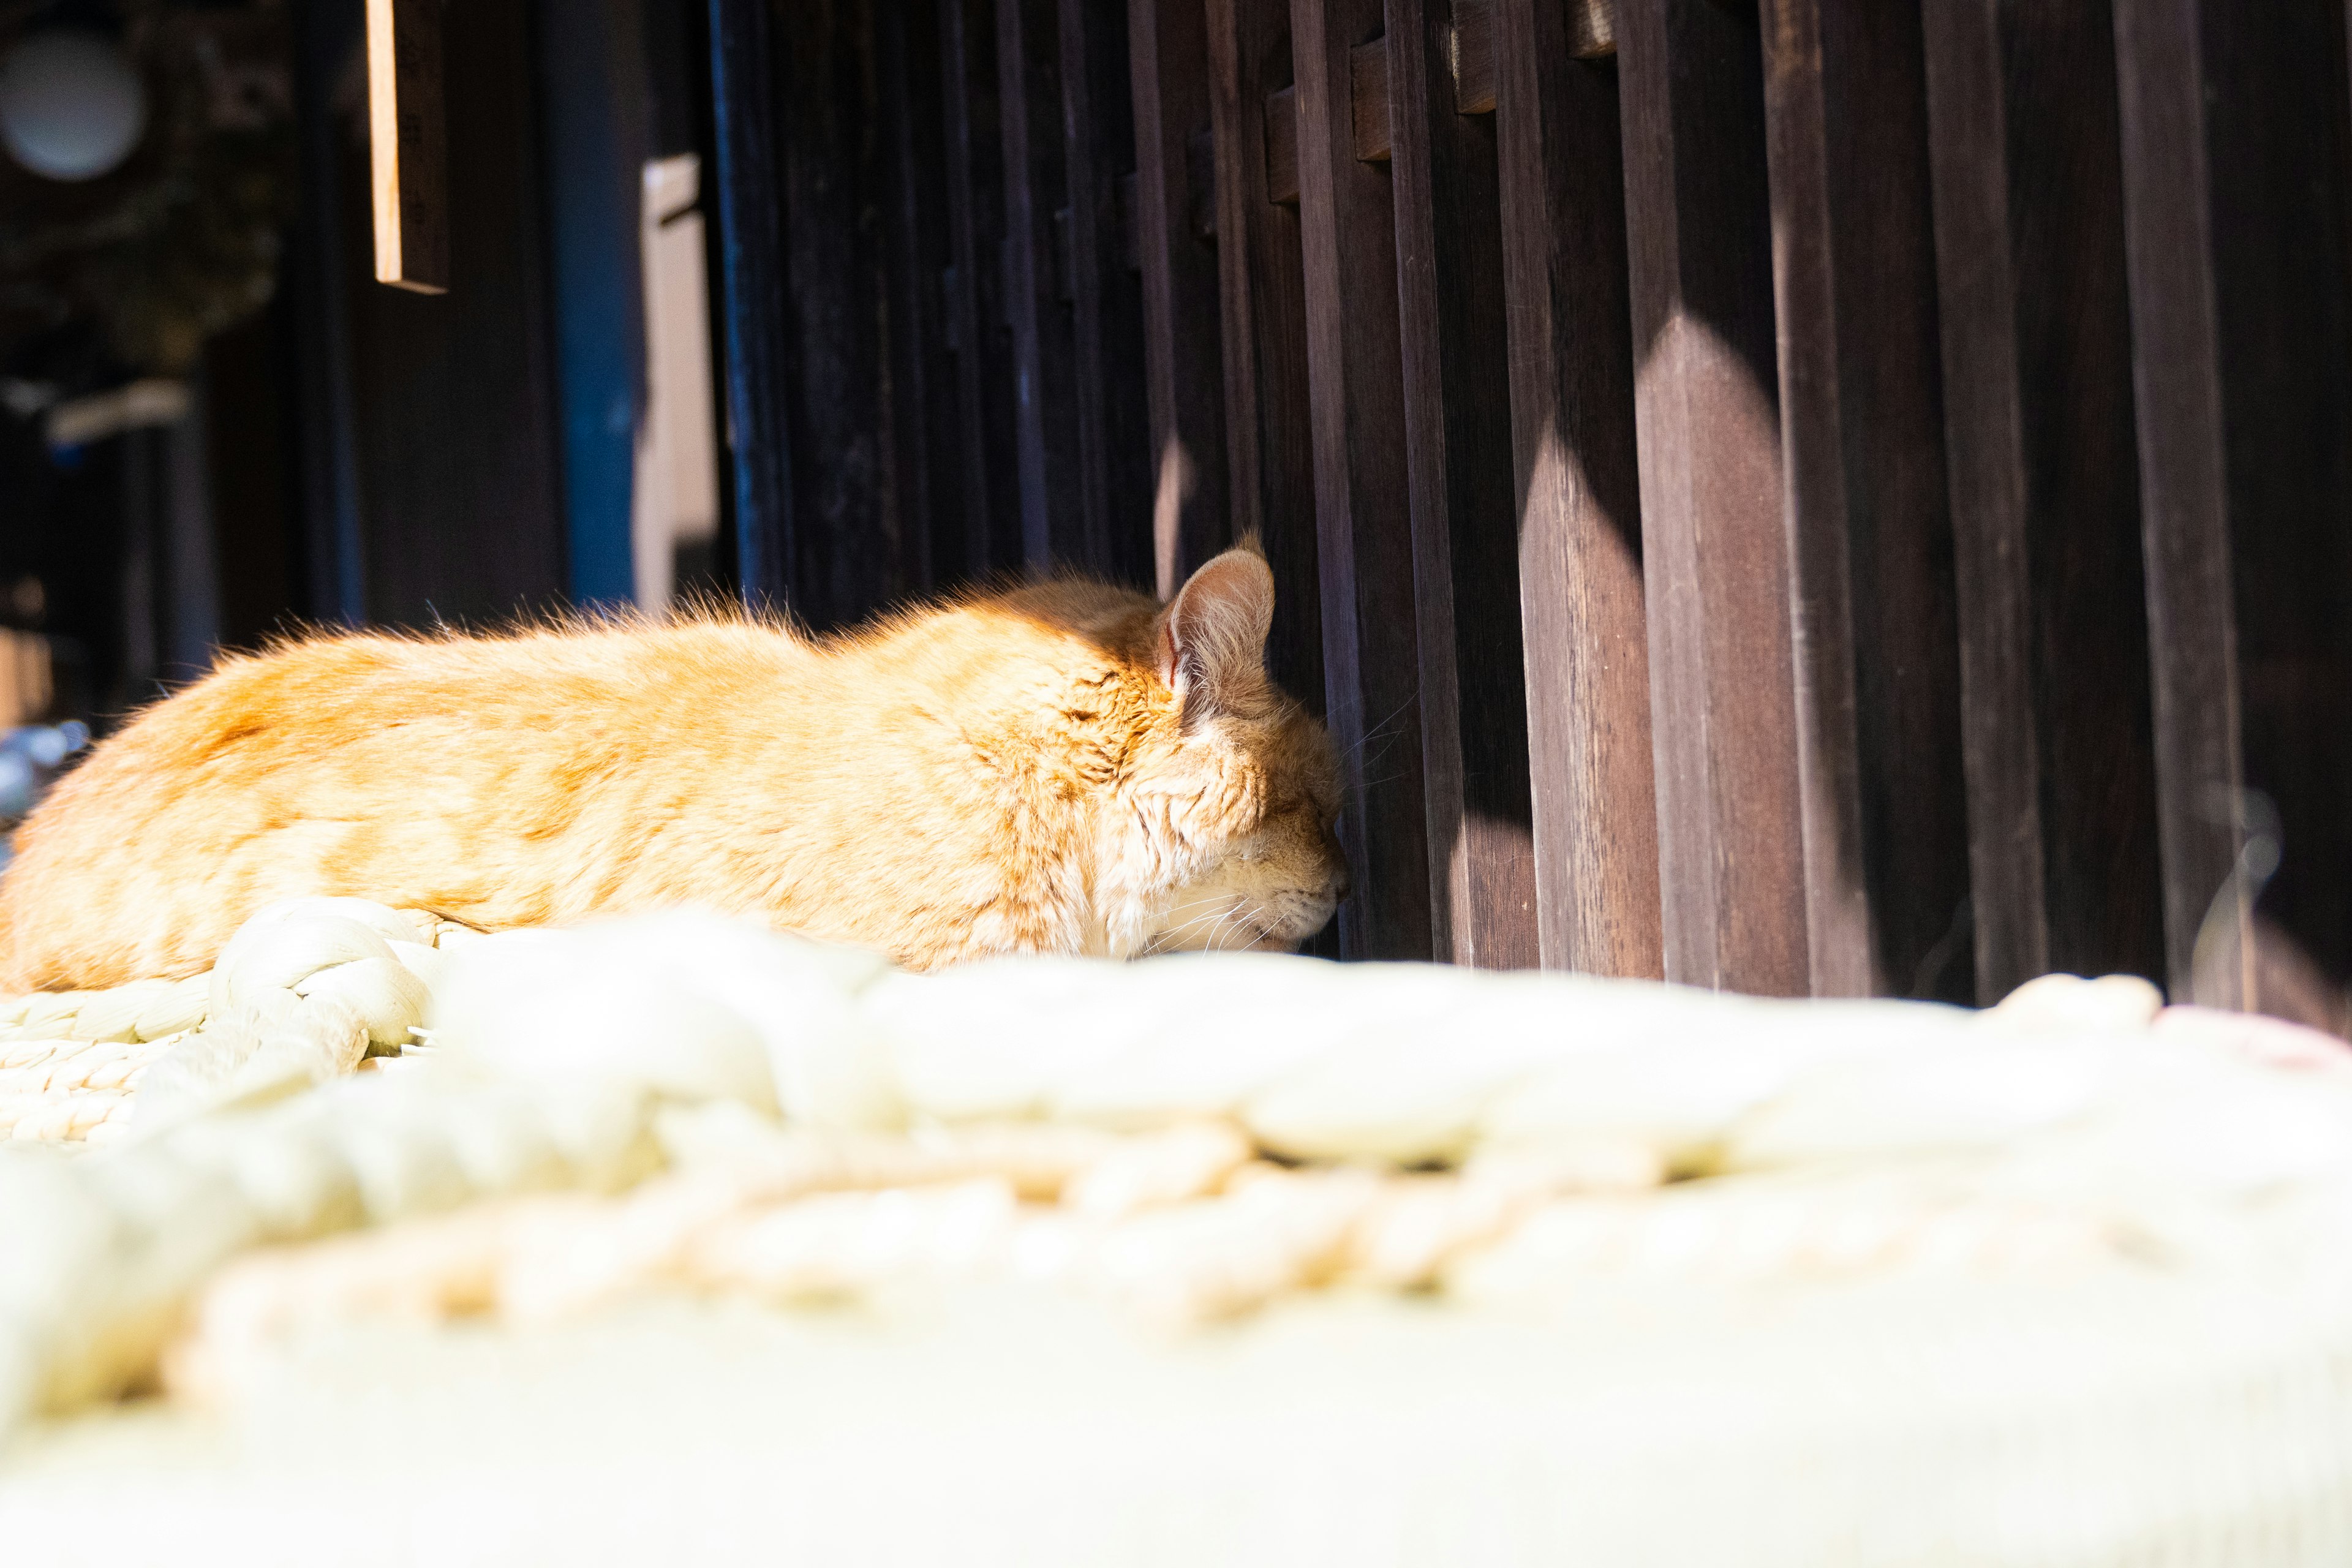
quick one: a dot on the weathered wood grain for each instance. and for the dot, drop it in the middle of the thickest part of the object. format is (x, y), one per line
(1867, 508)
(1261, 282)
(1183, 354)
(973, 286)
(1363, 521)
(407, 144)
(2045, 493)
(1578, 501)
(1105, 295)
(1455, 354)
(924, 445)
(1056, 527)
(2236, 217)
(1723, 709)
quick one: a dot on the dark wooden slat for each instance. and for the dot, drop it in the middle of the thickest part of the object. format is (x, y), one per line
(1591, 28)
(1368, 100)
(1261, 282)
(1055, 525)
(2237, 216)
(408, 145)
(1183, 360)
(1457, 406)
(972, 287)
(1282, 147)
(752, 296)
(847, 540)
(1886, 816)
(2046, 495)
(333, 556)
(927, 497)
(1363, 521)
(1477, 23)
(1105, 296)
(459, 442)
(1723, 706)
(1578, 502)
(1588, 31)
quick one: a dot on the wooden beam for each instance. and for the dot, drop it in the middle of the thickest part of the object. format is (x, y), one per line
(849, 540)
(1105, 298)
(924, 445)
(1870, 538)
(1578, 502)
(1363, 523)
(2045, 493)
(1056, 527)
(2239, 226)
(1183, 357)
(408, 160)
(1262, 284)
(1587, 31)
(1457, 406)
(972, 286)
(1730, 835)
(1282, 147)
(752, 296)
(1367, 100)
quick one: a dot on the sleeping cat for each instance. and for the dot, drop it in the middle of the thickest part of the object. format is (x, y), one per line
(1064, 767)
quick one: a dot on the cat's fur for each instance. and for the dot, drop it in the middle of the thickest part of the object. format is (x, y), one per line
(1065, 767)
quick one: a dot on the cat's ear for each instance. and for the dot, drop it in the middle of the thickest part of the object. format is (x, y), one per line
(1212, 634)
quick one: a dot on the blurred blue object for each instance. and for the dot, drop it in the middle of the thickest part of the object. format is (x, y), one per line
(30, 758)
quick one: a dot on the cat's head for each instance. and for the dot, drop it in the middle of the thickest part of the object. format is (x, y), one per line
(1240, 788)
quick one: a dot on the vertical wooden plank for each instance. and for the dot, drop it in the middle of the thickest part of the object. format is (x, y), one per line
(1867, 508)
(849, 540)
(1455, 352)
(928, 498)
(459, 449)
(1169, 40)
(753, 296)
(1055, 525)
(1262, 283)
(2045, 493)
(334, 554)
(1106, 297)
(1363, 520)
(2239, 243)
(1723, 705)
(407, 135)
(1578, 489)
(973, 286)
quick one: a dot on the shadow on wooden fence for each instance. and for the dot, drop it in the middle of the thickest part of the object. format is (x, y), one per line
(1813, 496)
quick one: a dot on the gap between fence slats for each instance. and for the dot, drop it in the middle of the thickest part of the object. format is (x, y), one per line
(1458, 426)
(1262, 283)
(1870, 542)
(1056, 528)
(2045, 493)
(1105, 296)
(2236, 217)
(1363, 519)
(1184, 359)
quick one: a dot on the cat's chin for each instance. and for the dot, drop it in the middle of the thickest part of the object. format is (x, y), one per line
(1237, 935)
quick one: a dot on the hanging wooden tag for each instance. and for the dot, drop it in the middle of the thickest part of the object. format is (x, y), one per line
(407, 144)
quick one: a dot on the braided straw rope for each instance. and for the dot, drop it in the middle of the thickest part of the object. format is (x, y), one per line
(830, 1125)
(307, 990)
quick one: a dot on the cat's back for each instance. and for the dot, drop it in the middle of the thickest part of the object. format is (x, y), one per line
(278, 768)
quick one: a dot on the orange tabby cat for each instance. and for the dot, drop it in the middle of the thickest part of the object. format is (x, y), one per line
(1065, 767)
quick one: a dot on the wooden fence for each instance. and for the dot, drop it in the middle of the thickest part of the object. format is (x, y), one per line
(1809, 496)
